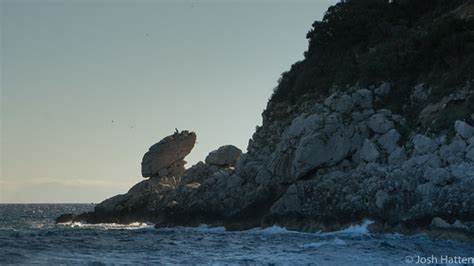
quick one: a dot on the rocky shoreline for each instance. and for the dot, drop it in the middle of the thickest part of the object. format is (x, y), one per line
(318, 165)
(375, 122)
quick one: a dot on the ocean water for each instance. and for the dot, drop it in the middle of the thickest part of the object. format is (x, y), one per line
(28, 235)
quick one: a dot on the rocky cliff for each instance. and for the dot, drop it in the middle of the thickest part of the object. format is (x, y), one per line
(393, 150)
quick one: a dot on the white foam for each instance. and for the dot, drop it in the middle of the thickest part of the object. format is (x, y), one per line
(207, 228)
(270, 230)
(200, 228)
(107, 226)
(334, 242)
(275, 230)
(359, 229)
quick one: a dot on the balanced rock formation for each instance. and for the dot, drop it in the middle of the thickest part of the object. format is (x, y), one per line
(166, 158)
(224, 156)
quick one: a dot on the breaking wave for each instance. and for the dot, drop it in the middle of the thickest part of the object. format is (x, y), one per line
(108, 226)
(30, 236)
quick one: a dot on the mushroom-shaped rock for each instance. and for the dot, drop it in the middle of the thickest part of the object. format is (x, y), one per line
(165, 158)
(224, 156)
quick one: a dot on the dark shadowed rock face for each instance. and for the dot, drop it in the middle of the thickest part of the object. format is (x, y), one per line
(166, 158)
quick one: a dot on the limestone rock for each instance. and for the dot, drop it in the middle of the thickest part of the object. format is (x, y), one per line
(470, 149)
(463, 129)
(224, 156)
(426, 191)
(470, 153)
(462, 171)
(362, 115)
(417, 165)
(453, 152)
(340, 103)
(383, 89)
(385, 112)
(363, 98)
(420, 93)
(440, 223)
(389, 140)
(167, 155)
(316, 150)
(424, 144)
(199, 173)
(379, 123)
(369, 152)
(381, 198)
(298, 173)
(470, 141)
(288, 203)
(437, 176)
(398, 156)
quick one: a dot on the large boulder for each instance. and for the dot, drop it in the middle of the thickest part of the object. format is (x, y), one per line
(224, 156)
(453, 152)
(398, 156)
(362, 98)
(424, 144)
(165, 158)
(379, 123)
(318, 150)
(465, 130)
(438, 176)
(340, 103)
(369, 151)
(389, 140)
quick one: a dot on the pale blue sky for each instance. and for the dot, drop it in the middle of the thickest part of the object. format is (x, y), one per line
(71, 67)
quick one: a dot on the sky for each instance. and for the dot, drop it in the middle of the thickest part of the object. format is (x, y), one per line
(88, 86)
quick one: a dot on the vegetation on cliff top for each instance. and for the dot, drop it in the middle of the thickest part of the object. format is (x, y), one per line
(405, 42)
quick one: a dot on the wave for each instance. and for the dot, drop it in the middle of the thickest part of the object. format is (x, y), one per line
(275, 229)
(108, 226)
(202, 228)
(207, 228)
(334, 242)
(357, 229)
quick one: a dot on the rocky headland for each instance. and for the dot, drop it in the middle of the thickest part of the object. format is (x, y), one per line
(331, 150)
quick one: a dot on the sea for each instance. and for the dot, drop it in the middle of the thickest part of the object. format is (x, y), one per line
(28, 235)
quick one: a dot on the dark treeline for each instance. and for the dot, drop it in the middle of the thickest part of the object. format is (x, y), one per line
(368, 41)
